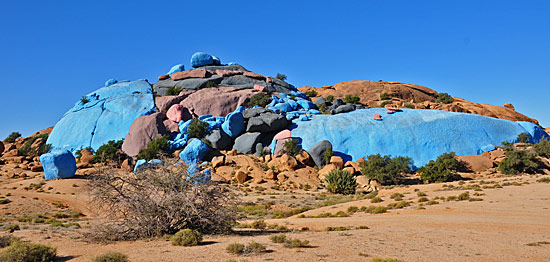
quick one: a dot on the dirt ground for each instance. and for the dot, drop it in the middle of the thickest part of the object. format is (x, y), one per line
(510, 223)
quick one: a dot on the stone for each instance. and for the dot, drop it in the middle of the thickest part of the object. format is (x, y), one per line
(1, 147)
(201, 59)
(253, 112)
(126, 165)
(171, 126)
(317, 152)
(253, 75)
(108, 115)
(194, 73)
(142, 164)
(337, 161)
(216, 60)
(259, 88)
(320, 101)
(268, 122)
(86, 157)
(176, 113)
(323, 172)
(162, 77)
(175, 69)
(58, 163)
(352, 164)
(232, 152)
(246, 143)
(508, 105)
(218, 139)
(194, 152)
(224, 73)
(164, 103)
(362, 181)
(349, 169)
(283, 135)
(37, 168)
(344, 109)
(110, 82)
(241, 176)
(283, 163)
(304, 158)
(221, 101)
(259, 149)
(477, 163)
(282, 177)
(218, 161)
(269, 175)
(280, 147)
(162, 87)
(142, 131)
(234, 123)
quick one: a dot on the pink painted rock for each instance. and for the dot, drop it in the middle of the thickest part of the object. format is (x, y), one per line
(142, 131)
(377, 117)
(253, 75)
(216, 101)
(259, 88)
(194, 73)
(162, 77)
(175, 113)
(171, 126)
(280, 147)
(283, 135)
(163, 103)
(224, 73)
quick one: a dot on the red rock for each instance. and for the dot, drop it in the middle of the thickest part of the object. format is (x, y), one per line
(259, 88)
(283, 135)
(193, 73)
(508, 105)
(377, 117)
(176, 113)
(220, 100)
(142, 131)
(254, 75)
(163, 103)
(225, 73)
(162, 77)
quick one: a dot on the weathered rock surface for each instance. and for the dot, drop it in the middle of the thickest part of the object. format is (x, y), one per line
(317, 152)
(218, 101)
(246, 143)
(218, 139)
(58, 163)
(477, 163)
(267, 122)
(142, 131)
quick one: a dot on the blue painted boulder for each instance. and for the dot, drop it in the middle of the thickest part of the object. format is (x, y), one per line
(422, 135)
(107, 114)
(142, 164)
(201, 59)
(58, 163)
(110, 82)
(176, 68)
(194, 152)
(234, 123)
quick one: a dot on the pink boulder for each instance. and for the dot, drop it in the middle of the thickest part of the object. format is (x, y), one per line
(283, 135)
(280, 147)
(216, 101)
(142, 131)
(171, 126)
(194, 73)
(254, 75)
(163, 103)
(224, 73)
(259, 88)
(162, 77)
(175, 113)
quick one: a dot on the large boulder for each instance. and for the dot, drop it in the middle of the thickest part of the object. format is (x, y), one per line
(142, 131)
(175, 69)
(161, 87)
(422, 135)
(234, 123)
(252, 112)
(105, 114)
(194, 73)
(176, 113)
(246, 143)
(199, 59)
(218, 101)
(477, 163)
(218, 139)
(267, 122)
(194, 152)
(58, 163)
(317, 152)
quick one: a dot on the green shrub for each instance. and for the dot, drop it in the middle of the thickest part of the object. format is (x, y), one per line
(385, 103)
(340, 182)
(385, 96)
(330, 98)
(376, 200)
(311, 93)
(543, 148)
(328, 154)
(240, 249)
(291, 147)
(385, 169)
(411, 106)
(186, 237)
(173, 91)
(279, 238)
(84, 100)
(111, 257)
(444, 98)
(28, 252)
(518, 161)
(108, 152)
(281, 76)
(258, 224)
(154, 149)
(235, 248)
(524, 138)
(352, 99)
(296, 243)
(259, 99)
(376, 209)
(197, 128)
(399, 205)
(28, 150)
(544, 180)
(12, 137)
(442, 170)
(12, 228)
(210, 84)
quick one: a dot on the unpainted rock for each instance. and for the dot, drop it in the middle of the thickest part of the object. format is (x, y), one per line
(142, 131)
(317, 152)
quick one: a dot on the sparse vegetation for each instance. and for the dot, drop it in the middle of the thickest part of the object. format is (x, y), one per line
(328, 154)
(544, 180)
(109, 152)
(156, 148)
(311, 93)
(28, 150)
(259, 99)
(444, 169)
(291, 147)
(241, 249)
(376, 200)
(19, 251)
(281, 76)
(330, 98)
(111, 257)
(411, 106)
(385, 103)
(84, 100)
(444, 98)
(543, 148)
(186, 237)
(279, 238)
(197, 128)
(173, 91)
(518, 161)
(210, 84)
(352, 99)
(296, 243)
(12, 137)
(385, 96)
(340, 182)
(524, 138)
(387, 259)
(385, 169)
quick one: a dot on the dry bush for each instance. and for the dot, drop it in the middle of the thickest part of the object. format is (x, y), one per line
(158, 201)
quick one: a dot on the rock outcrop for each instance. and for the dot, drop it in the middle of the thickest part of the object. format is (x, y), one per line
(142, 131)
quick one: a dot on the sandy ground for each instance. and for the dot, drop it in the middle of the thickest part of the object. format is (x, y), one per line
(495, 229)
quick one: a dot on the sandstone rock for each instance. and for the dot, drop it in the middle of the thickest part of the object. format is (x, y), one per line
(224, 73)
(171, 126)
(304, 158)
(241, 176)
(86, 156)
(253, 75)
(142, 131)
(508, 105)
(14, 159)
(164, 103)
(126, 165)
(162, 77)
(352, 164)
(477, 163)
(325, 170)
(36, 168)
(82, 165)
(218, 161)
(11, 153)
(283, 163)
(349, 169)
(232, 152)
(259, 88)
(282, 177)
(269, 175)
(337, 161)
(221, 101)
(362, 181)
(193, 73)
(317, 152)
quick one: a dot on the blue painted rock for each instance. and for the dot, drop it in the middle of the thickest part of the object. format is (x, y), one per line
(201, 59)
(58, 163)
(110, 82)
(234, 123)
(194, 152)
(175, 69)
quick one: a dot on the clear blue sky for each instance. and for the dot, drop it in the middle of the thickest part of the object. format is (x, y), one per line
(54, 52)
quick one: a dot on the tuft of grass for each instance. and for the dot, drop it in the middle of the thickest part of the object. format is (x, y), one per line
(376, 200)
(111, 257)
(387, 259)
(186, 237)
(241, 249)
(340, 228)
(280, 238)
(296, 243)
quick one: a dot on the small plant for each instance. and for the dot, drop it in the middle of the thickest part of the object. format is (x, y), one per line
(340, 182)
(328, 154)
(421, 194)
(154, 149)
(108, 152)
(385, 169)
(235, 248)
(385, 96)
(291, 147)
(387, 259)
(376, 200)
(210, 84)
(12, 137)
(411, 106)
(442, 170)
(186, 237)
(330, 98)
(296, 243)
(84, 100)
(399, 205)
(544, 180)
(352, 99)
(543, 148)
(281, 76)
(173, 91)
(28, 252)
(524, 138)
(197, 128)
(240, 249)
(376, 209)
(518, 161)
(258, 224)
(444, 98)
(311, 93)
(385, 103)
(12, 228)
(259, 99)
(280, 238)
(423, 199)
(111, 257)
(397, 196)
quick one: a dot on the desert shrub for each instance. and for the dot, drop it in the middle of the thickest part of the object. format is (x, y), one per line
(423, 199)
(154, 149)
(291, 147)
(376, 200)
(544, 180)
(108, 152)
(524, 138)
(281, 76)
(279, 238)
(296, 243)
(385, 103)
(399, 205)
(543, 148)
(19, 251)
(385, 96)
(12, 137)
(385, 169)
(12, 228)
(330, 98)
(518, 161)
(235, 248)
(28, 150)
(186, 237)
(84, 100)
(352, 209)
(173, 91)
(210, 84)
(7, 240)
(397, 196)
(352, 99)
(444, 98)
(241, 249)
(387, 259)
(197, 128)
(340, 182)
(158, 201)
(111, 257)
(258, 224)
(411, 106)
(376, 209)
(443, 169)
(259, 99)
(421, 194)
(328, 154)
(311, 93)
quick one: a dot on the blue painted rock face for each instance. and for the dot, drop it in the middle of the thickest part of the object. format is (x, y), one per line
(58, 163)
(422, 135)
(194, 152)
(201, 59)
(107, 115)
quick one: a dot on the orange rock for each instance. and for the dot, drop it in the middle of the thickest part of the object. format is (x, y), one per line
(241, 176)
(37, 169)
(87, 156)
(477, 163)
(337, 161)
(269, 175)
(304, 158)
(325, 170)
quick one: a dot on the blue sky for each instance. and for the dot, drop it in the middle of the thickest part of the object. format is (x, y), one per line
(54, 52)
